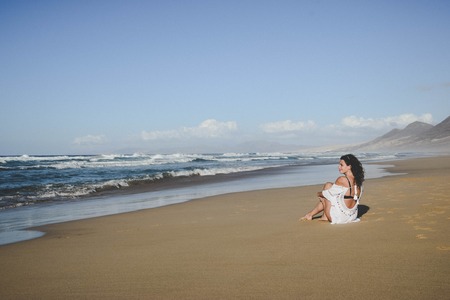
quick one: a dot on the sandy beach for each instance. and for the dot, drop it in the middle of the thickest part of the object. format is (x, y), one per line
(250, 245)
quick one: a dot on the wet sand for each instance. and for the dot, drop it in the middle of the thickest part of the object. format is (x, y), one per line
(250, 245)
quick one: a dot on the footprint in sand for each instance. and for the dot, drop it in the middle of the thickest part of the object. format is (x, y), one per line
(411, 222)
(435, 212)
(443, 248)
(421, 236)
(409, 219)
(423, 228)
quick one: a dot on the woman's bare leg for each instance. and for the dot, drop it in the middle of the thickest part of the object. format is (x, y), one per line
(308, 217)
(326, 210)
(321, 206)
(326, 204)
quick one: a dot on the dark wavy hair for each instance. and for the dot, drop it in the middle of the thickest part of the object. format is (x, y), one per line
(357, 168)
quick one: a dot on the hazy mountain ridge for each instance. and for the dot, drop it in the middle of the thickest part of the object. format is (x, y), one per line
(417, 136)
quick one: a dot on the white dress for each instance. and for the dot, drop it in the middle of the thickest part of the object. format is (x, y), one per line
(339, 212)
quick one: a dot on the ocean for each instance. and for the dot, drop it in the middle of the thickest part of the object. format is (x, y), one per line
(39, 190)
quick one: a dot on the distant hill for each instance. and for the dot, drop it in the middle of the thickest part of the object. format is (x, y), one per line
(417, 136)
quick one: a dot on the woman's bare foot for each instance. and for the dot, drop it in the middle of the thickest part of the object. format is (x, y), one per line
(307, 217)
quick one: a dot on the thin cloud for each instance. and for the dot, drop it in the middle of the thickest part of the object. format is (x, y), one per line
(210, 128)
(287, 126)
(387, 122)
(89, 140)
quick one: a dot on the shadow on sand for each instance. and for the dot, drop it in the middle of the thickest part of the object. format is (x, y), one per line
(362, 210)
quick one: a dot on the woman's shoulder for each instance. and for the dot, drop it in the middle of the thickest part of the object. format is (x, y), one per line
(342, 181)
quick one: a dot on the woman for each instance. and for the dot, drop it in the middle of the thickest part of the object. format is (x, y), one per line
(339, 201)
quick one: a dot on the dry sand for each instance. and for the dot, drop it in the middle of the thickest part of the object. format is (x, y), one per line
(250, 245)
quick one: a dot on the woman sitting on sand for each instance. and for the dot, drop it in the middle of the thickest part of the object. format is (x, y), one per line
(339, 201)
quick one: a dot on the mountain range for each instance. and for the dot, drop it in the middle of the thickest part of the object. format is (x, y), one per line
(417, 136)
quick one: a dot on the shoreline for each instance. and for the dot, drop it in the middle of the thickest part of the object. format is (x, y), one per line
(15, 223)
(250, 245)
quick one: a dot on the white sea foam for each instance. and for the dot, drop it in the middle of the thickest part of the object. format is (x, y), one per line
(105, 161)
(135, 159)
(115, 183)
(26, 157)
(212, 171)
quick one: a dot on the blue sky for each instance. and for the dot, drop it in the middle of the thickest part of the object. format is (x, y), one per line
(87, 77)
